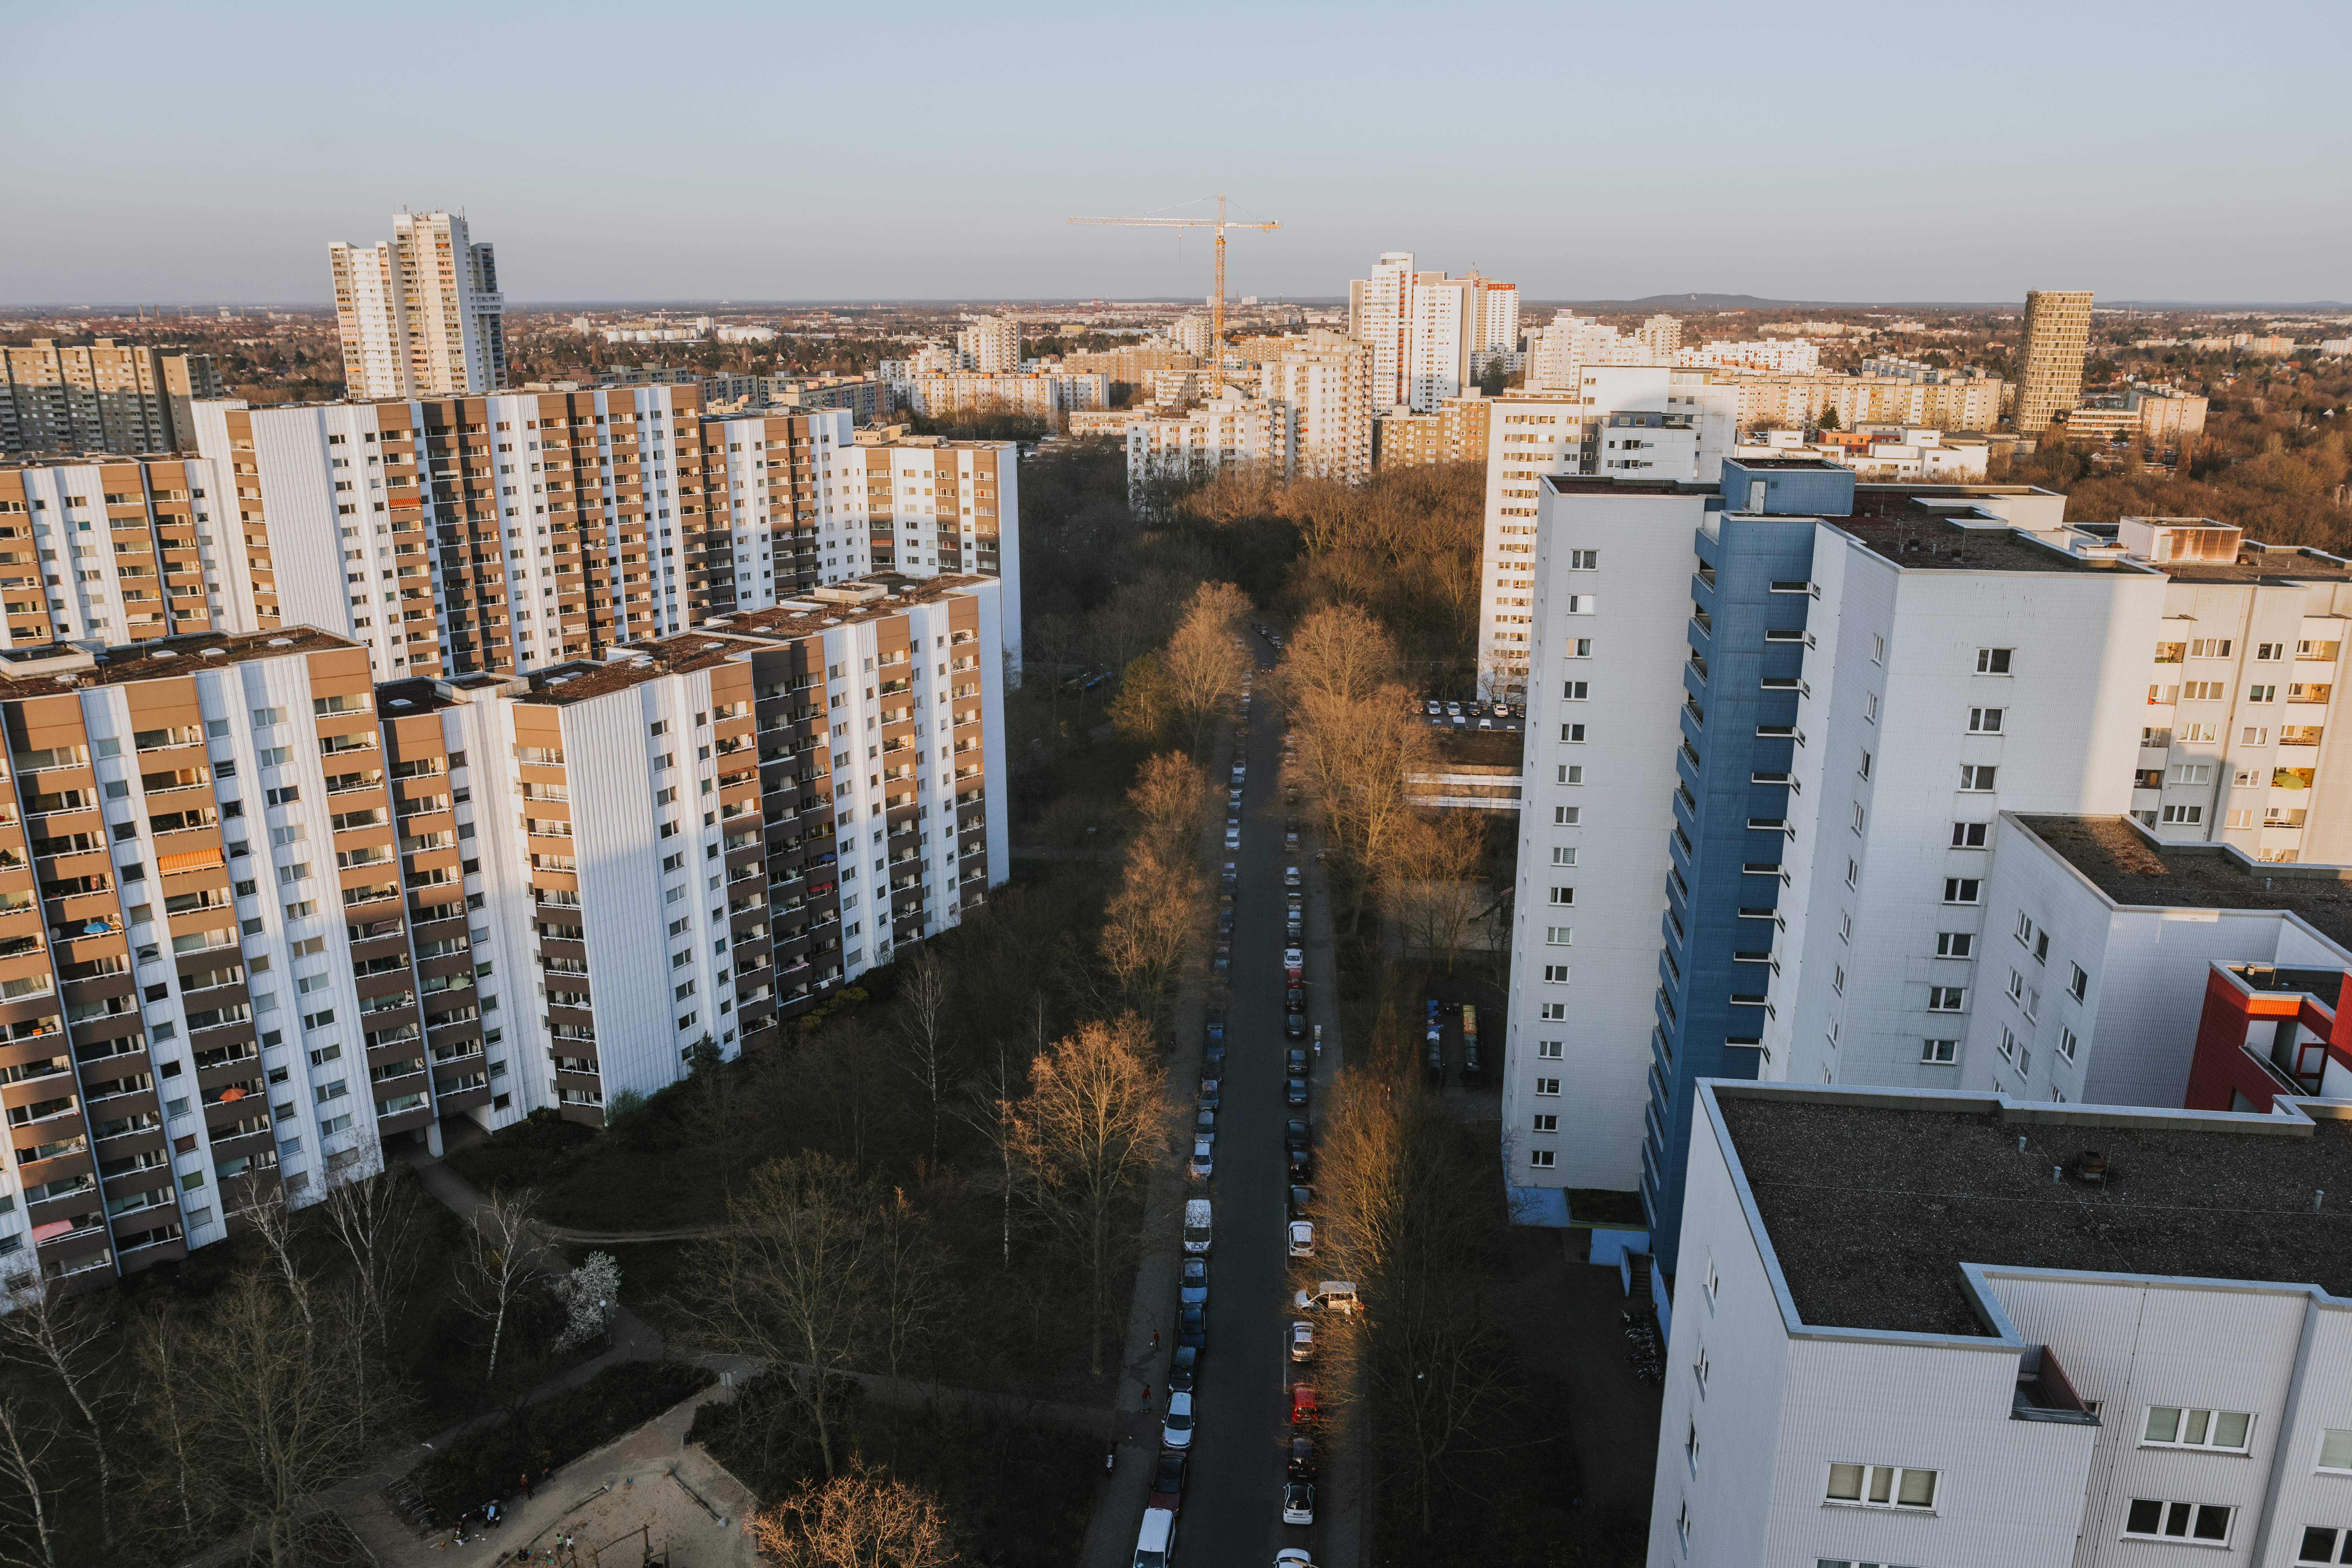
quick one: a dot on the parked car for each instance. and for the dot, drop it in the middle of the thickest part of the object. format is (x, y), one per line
(1303, 1411)
(1302, 1200)
(1183, 1369)
(1485, 723)
(1454, 708)
(1301, 1234)
(1302, 1340)
(1293, 960)
(1298, 1503)
(1192, 1327)
(1294, 1060)
(1213, 1092)
(1204, 1159)
(1294, 996)
(1294, 1092)
(1192, 1285)
(1168, 1478)
(1176, 1428)
(1331, 1295)
(1290, 839)
(1233, 835)
(1300, 1465)
(1292, 1557)
(1213, 1058)
(1301, 1165)
(1225, 920)
(1294, 1026)
(1290, 878)
(1234, 796)
(1460, 721)
(1290, 933)
(1296, 1134)
(1204, 1124)
(1241, 771)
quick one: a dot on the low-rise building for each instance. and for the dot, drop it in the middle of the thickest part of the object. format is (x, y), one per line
(1456, 433)
(1040, 393)
(1963, 1328)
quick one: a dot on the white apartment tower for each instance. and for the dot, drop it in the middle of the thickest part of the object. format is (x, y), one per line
(1320, 385)
(420, 313)
(1380, 313)
(991, 344)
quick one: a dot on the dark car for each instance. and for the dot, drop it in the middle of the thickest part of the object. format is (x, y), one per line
(1290, 933)
(1473, 1073)
(1168, 1480)
(1213, 1059)
(1294, 1026)
(1183, 1369)
(1225, 922)
(1302, 1201)
(1212, 1093)
(1302, 1167)
(1294, 1061)
(1301, 1464)
(1192, 1327)
(1294, 996)
(1294, 1091)
(1192, 1285)
(1216, 1028)
(1295, 1133)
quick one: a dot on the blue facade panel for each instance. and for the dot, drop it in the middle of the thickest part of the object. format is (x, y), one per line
(1792, 487)
(1714, 953)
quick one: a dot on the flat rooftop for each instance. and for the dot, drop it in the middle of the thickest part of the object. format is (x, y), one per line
(2272, 563)
(37, 670)
(1604, 485)
(803, 616)
(2133, 868)
(1935, 528)
(1871, 1208)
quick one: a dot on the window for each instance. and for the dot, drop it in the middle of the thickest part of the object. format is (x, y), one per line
(1566, 815)
(1969, 835)
(2270, 652)
(1877, 648)
(2172, 1428)
(1553, 1012)
(1574, 691)
(1563, 855)
(1857, 816)
(1852, 872)
(2319, 1546)
(2042, 947)
(1584, 559)
(2177, 1521)
(1976, 776)
(2262, 693)
(1953, 943)
(1993, 660)
(1581, 648)
(1881, 1486)
(1572, 734)
(2256, 735)
(2183, 815)
(1548, 1050)
(1555, 974)
(1940, 1053)
(1571, 775)
(2066, 1044)
(2016, 986)
(2192, 773)
(1548, 1085)
(1547, 1121)
(1984, 721)
(1945, 998)
(1541, 1158)
(1870, 705)
(1564, 895)
(1580, 604)
(1961, 889)
(1559, 936)
(2210, 648)
(2078, 982)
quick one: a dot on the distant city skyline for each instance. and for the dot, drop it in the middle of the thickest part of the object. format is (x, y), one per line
(1790, 166)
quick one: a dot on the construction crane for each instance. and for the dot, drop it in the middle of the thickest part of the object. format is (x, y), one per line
(1219, 223)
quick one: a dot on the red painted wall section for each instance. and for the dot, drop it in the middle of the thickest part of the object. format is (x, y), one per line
(2222, 1068)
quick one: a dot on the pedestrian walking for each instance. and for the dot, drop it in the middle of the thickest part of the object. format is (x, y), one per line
(1155, 1339)
(1146, 1396)
(525, 1480)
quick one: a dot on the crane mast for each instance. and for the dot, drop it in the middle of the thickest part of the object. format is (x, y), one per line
(1217, 300)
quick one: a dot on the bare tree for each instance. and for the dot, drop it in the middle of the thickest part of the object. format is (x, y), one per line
(1337, 653)
(159, 1344)
(789, 1280)
(860, 1519)
(277, 1224)
(719, 1114)
(1152, 926)
(1203, 661)
(277, 1414)
(375, 1220)
(503, 1263)
(1358, 754)
(68, 1339)
(1434, 892)
(991, 1104)
(1171, 798)
(927, 1032)
(910, 1288)
(27, 1488)
(1094, 1119)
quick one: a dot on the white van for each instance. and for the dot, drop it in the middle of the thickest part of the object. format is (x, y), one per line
(1155, 1543)
(1196, 1225)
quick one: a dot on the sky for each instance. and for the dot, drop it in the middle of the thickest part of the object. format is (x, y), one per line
(177, 153)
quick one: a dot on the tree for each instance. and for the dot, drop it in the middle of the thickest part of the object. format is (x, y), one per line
(789, 1280)
(1434, 892)
(1203, 661)
(1094, 1118)
(503, 1263)
(717, 1112)
(1828, 419)
(68, 1339)
(1337, 653)
(278, 1223)
(1359, 755)
(910, 1287)
(1145, 708)
(589, 1295)
(1171, 798)
(861, 1519)
(159, 1344)
(1152, 926)
(375, 1220)
(27, 1488)
(927, 1044)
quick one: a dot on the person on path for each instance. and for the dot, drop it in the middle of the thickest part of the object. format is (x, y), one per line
(525, 1480)
(1146, 1396)
(1155, 1339)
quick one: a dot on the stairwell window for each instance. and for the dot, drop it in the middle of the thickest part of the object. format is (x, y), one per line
(1940, 1053)
(1976, 776)
(1571, 774)
(1554, 1012)
(2157, 1519)
(2171, 1426)
(1541, 1158)
(1946, 998)
(1555, 974)
(1564, 895)
(1985, 721)
(1567, 815)
(1969, 835)
(1560, 936)
(1881, 1486)
(1548, 1085)
(1563, 855)
(1548, 1050)
(1962, 889)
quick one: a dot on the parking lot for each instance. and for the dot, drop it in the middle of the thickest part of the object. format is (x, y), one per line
(1447, 713)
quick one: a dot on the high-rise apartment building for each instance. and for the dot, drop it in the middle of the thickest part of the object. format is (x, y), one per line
(2050, 364)
(1636, 422)
(122, 551)
(1379, 315)
(990, 344)
(1431, 336)
(1231, 427)
(1321, 386)
(2072, 1354)
(1661, 334)
(420, 314)
(1769, 820)
(100, 396)
(1456, 433)
(518, 530)
(260, 916)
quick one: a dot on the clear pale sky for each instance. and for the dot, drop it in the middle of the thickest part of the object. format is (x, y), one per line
(792, 150)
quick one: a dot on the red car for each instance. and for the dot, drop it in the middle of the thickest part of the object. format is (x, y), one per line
(1168, 1481)
(1303, 1412)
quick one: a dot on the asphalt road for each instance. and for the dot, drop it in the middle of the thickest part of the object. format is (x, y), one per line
(1233, 1509)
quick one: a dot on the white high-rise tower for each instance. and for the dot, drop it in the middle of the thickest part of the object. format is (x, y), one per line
(420, 314)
